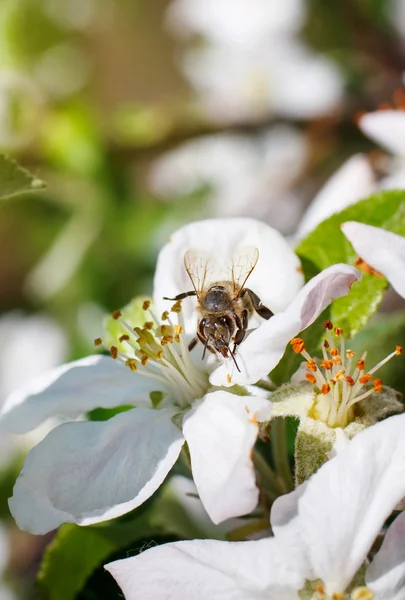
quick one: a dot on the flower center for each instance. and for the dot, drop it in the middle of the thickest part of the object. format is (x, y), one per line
(158, 350)
(339, 379)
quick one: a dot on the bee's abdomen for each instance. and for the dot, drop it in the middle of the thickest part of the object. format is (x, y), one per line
(216, 299)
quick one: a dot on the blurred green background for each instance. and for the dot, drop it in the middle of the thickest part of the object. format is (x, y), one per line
(142, 116)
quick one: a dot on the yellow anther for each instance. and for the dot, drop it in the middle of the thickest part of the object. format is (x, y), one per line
(146, 305)
(340, 375)
(148, 325)
(144, 360)
(176, 308)
(98, 342)
(167, 339)
(164, 330)
(362, 593)
(114, 352)
(178, 329)
(165, 315)
(116, 314)
(350, 354)
(132, 364)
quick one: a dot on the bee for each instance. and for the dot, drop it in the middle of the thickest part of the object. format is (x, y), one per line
(225, 305)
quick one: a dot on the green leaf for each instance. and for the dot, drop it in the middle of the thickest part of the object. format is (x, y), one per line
(327, 245)
(76, 552)
(15, 180)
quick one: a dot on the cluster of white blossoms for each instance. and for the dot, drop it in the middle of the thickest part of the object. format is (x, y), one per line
(91, 471)
(257, 44)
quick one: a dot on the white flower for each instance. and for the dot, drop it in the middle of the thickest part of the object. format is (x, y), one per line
(92, 471)
(242, 21)
(245, 175)
(323, 533)
(380, 249)
(387, 128)
(276, 75)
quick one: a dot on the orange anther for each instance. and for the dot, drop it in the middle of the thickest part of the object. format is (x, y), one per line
(398, 350)
(98, 342)
(337, 360)
(297, 345)
(350, 354)
(311, 378)
(334, 352)
(328, 325)
(350, 381)
(365, 378)
(377, 383)
(338, 331)
(325, 388)
(360, 365)
(311, 366)
(327, 364)
(326, 344)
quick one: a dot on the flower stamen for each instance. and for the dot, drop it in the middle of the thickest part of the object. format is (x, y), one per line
(340, 381)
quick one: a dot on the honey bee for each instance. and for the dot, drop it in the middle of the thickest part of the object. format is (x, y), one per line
(225, 305)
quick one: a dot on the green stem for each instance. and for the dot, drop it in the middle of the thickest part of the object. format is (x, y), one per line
(266, 384)
(270, 481)
(279, 451)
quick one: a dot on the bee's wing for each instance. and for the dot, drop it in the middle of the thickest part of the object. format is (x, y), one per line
(198, 265)
(241, 265)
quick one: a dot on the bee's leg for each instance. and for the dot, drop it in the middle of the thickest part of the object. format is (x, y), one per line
(261, 310)
(193, 343)
(181, 296)
(241, 331)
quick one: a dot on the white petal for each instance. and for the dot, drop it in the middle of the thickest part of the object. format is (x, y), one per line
(386, 574)
(336, 515)
(88, 472)
(276, 278)
(265, 346)
(386, 128)
(221, 433)
(352, 182)
(74, 389)
(381, 249)
(203, 569)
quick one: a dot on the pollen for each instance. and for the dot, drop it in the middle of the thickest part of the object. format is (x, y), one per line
(297, 345)
(176, 308)
(98, 341)
(377, 383)
(116, 315)
(311, 366)
(228, 378)
(327, 364)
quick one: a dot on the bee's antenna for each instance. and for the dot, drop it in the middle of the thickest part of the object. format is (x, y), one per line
(233, 358)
